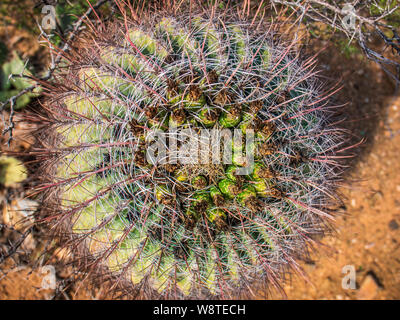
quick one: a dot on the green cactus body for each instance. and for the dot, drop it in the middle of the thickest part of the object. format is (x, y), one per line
(229, 119)
(246, 194)
(181, 175)
(193, 100)
(208, 116)
(179, 229)
(199, 182)
(217, 196)
(231, 173)
(228, 188)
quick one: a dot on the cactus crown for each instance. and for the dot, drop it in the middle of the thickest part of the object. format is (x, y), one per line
(187, 229)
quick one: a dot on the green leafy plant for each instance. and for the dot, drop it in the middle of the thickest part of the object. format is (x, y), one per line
(12, 81)
(12, 171)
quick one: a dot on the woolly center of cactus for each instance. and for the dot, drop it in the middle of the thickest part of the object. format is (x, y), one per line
(191, 226)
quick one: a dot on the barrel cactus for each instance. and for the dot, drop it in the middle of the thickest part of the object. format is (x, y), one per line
(188, 229)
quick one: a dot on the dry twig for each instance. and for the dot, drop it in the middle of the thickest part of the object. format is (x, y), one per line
(351, 18)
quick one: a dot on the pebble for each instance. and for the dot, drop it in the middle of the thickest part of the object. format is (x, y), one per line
(375, 198)
(18, 213)
(393, 225)
(368, 289)
(369, 245)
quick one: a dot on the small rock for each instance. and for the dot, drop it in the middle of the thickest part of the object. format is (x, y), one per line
(18, 213)
(376, 197)
(368, 289)
(29, 243)
(393, 225)
(369, 245)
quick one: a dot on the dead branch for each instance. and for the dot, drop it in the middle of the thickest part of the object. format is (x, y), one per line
(13, 246)
(363, 27)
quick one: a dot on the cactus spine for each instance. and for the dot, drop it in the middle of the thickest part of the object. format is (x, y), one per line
(185, 230)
